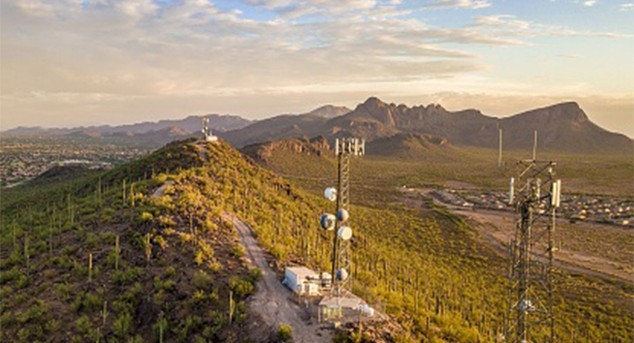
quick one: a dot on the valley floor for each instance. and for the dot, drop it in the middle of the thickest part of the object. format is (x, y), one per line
(585, 248)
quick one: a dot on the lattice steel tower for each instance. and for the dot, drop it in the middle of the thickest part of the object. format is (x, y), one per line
(341, 254)
(531, 250)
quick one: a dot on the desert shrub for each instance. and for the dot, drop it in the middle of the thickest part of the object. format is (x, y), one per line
(284, 332)
(241, 287)
(126, 277)
(122, 325)
(169, 272)
(202, 280)
(9, 275)
(83, 324)
(166, 285)
(238, 251)
(255, 275)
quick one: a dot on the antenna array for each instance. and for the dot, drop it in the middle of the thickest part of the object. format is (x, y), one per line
(345, 148)
(531, 251)
(209, 137)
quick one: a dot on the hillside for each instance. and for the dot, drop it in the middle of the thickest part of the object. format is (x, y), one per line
(261, 152)
(178, 264)
(412, 145)
(562, 127)
(275, 128)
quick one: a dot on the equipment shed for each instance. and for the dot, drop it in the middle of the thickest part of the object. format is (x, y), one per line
(302, 280)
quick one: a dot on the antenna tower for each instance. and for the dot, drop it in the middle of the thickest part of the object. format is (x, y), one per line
(341, 255)
(499, 147)
(531, 251)
(209, 137)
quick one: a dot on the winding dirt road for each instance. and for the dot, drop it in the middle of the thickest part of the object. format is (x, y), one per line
(271, 301)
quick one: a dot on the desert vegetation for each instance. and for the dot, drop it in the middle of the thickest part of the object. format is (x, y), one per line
(141, 253)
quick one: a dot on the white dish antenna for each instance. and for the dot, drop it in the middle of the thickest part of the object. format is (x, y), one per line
(343, 215)
(342, 274)
(330, 193)
(345, 233)
(327, 221)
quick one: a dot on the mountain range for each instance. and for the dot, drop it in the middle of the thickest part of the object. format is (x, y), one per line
(187, 125)
(563, 127)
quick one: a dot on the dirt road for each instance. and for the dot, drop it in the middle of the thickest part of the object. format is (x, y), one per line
(271, 300)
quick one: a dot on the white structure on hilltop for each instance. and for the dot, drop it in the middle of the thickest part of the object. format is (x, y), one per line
(209, 137)
(302, 280)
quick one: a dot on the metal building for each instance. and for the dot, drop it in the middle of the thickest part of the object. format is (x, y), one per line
(302, 280)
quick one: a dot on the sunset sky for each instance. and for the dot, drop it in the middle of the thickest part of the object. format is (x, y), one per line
(73, 62)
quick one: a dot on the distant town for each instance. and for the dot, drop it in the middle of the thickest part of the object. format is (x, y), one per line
(21, 159)
(599, 209)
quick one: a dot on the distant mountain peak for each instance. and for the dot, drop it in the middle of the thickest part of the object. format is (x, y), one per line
(373, 102)
(378, 110)
(566, 111)
(329, 111)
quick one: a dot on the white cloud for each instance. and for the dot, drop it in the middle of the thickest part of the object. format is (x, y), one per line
(473, 4)
(137, 8)
(510, 26)
(120, 58)
(626, 7)
(589, 3)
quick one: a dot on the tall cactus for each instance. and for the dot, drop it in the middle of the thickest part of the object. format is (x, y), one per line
(117, 252)
(123, 198)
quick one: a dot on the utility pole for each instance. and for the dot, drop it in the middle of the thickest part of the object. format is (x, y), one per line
(500, 148)
(532, 252)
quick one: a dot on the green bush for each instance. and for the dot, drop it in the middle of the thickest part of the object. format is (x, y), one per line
(126, 277)
(238, 251)
(255, 275)
(9, 275)
(241, 287)
(83, 324)
(202, 280)
(284, 332)
(121, 326)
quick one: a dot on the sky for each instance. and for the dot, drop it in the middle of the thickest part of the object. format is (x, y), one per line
(88, 62)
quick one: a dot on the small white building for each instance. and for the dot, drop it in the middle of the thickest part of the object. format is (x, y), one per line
(302, 280)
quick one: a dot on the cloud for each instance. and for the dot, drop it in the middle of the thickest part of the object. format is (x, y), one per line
(118, 60)
(626, 7)
(589, 3)
(510, 26)
(472, 4)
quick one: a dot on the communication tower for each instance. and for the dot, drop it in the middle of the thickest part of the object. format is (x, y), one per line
(345, 148)
(209, 137)
(532, 251)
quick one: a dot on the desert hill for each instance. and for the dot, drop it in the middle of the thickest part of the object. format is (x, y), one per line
(261, 152)
(411, 145)
(166, 261)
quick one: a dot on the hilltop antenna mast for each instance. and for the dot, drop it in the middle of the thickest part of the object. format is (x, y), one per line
(341, 254)
(209, 137)
(345, 148)
(500, 147)
(535, 145)
(532, 250)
